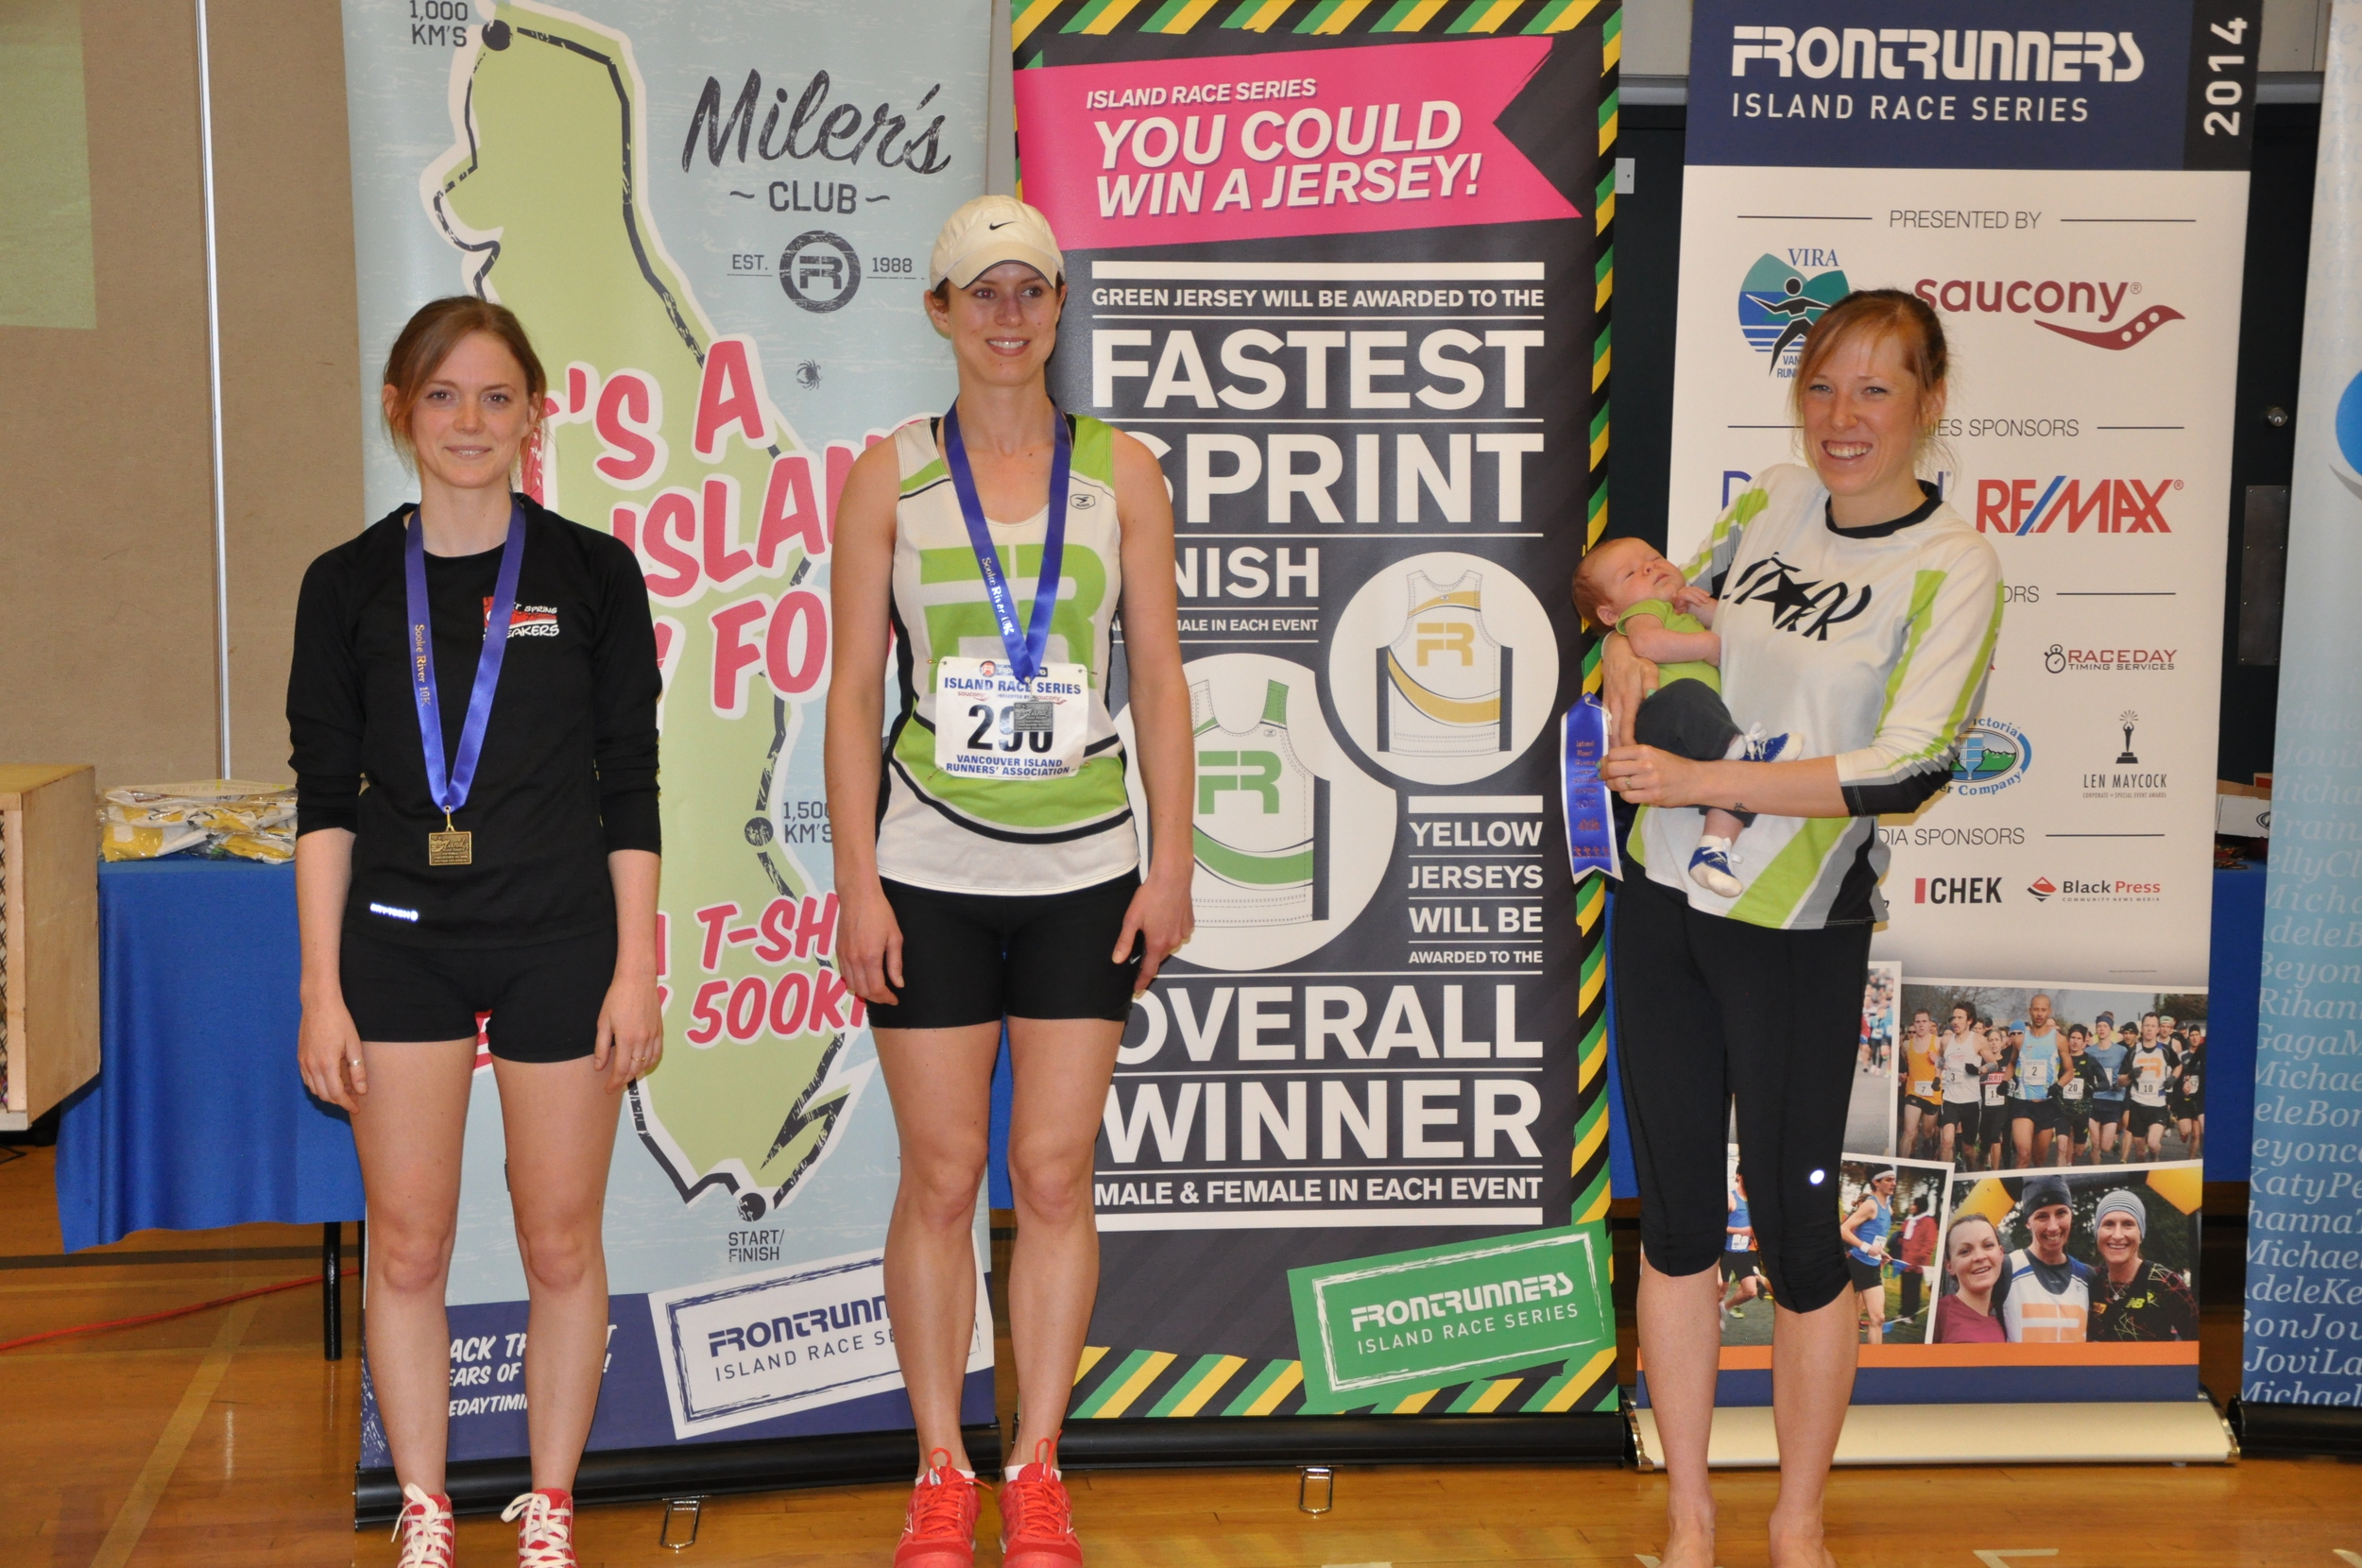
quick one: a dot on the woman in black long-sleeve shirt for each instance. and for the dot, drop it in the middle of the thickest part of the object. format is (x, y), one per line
(509, 869)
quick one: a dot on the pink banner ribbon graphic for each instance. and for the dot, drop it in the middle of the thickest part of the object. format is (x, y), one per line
(1251, 146)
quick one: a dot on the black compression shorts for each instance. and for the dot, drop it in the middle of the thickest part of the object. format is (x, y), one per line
(976, 957)
(544, 999)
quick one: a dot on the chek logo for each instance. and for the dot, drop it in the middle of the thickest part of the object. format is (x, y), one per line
(1956, 890)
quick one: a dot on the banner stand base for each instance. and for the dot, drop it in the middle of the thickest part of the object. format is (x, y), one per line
(2179, 1432)
(2289, 1431)
(1584, 1438)
(684, 1470)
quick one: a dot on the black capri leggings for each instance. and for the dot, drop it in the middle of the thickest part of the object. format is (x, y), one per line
(1709, 1009)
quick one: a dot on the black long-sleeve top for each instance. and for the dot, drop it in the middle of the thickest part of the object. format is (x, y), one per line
(568, 766)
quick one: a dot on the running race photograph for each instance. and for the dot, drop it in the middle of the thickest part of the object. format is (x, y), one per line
(1890, 1217)
(2016, 1076)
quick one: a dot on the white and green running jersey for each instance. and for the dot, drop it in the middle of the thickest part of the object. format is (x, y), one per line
(1261, 826)
(1002, 836)
(1869, 645)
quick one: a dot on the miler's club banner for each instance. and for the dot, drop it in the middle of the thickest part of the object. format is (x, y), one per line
(2304, 1220)
(713, 217)
(1343, 269)
(2070, 200)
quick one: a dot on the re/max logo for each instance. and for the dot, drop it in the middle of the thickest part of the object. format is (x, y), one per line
(2108, 506)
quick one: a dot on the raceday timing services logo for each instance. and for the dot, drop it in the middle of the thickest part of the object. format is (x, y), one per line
(1992, 756)
(1782, 296)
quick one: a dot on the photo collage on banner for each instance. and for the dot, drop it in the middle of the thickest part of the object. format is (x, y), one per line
(1344, 270)
(2071, 206)
(713, 218)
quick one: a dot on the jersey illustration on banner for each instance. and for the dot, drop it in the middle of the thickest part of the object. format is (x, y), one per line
(1444, 684)
(1262, 824)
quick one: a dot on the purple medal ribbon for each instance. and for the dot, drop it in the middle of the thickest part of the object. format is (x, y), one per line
(450, 791)
(1026, 644)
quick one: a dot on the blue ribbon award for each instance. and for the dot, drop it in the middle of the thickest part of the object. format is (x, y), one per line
(1583, 743)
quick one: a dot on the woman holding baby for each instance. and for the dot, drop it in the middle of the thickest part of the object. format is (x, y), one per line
(1849, 612)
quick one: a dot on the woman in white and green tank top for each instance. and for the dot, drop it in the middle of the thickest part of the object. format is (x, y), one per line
(989, 863)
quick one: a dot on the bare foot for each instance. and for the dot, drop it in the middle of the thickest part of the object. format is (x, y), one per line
(1799, 1546)
(1688, 1543)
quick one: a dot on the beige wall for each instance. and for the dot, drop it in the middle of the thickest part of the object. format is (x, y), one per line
(107, 620)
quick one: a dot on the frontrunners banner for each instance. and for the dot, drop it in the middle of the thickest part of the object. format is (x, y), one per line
(2304, 1225)
(713, 217)
(1343, 269)
(2071, 202)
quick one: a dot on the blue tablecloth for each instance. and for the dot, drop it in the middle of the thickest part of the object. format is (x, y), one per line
(197, 1118)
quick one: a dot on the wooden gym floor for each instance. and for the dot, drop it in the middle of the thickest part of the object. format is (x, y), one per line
(224, 1438)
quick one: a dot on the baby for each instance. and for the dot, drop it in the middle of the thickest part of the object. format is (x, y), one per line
(1626, 586)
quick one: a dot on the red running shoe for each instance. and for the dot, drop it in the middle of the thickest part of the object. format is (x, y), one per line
(1037, 1516)
(939, 1531)
(545, 1529)
(424, 1529)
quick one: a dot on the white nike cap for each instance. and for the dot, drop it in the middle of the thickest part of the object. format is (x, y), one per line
(988, 230)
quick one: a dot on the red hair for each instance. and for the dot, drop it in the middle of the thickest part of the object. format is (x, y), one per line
(1881, 312)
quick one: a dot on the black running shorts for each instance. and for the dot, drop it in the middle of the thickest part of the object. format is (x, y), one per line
(1867, 1276)
(2044, 1114)
(977, 958)
(1963, 1114)
(544, 997)
(2145, 1117)
(1994, 1124)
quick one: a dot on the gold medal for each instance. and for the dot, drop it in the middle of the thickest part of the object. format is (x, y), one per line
(450, 847)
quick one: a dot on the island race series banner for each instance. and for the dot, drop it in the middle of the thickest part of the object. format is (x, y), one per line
(2071, 202)
(713, 217)
(1343, 269)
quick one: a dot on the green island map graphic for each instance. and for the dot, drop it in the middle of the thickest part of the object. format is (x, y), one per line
(545, 194)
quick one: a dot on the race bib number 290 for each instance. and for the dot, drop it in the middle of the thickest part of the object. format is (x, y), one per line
(990, 724)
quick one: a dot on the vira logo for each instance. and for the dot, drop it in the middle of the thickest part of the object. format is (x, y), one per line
(1782, 296)
(2103, 505)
